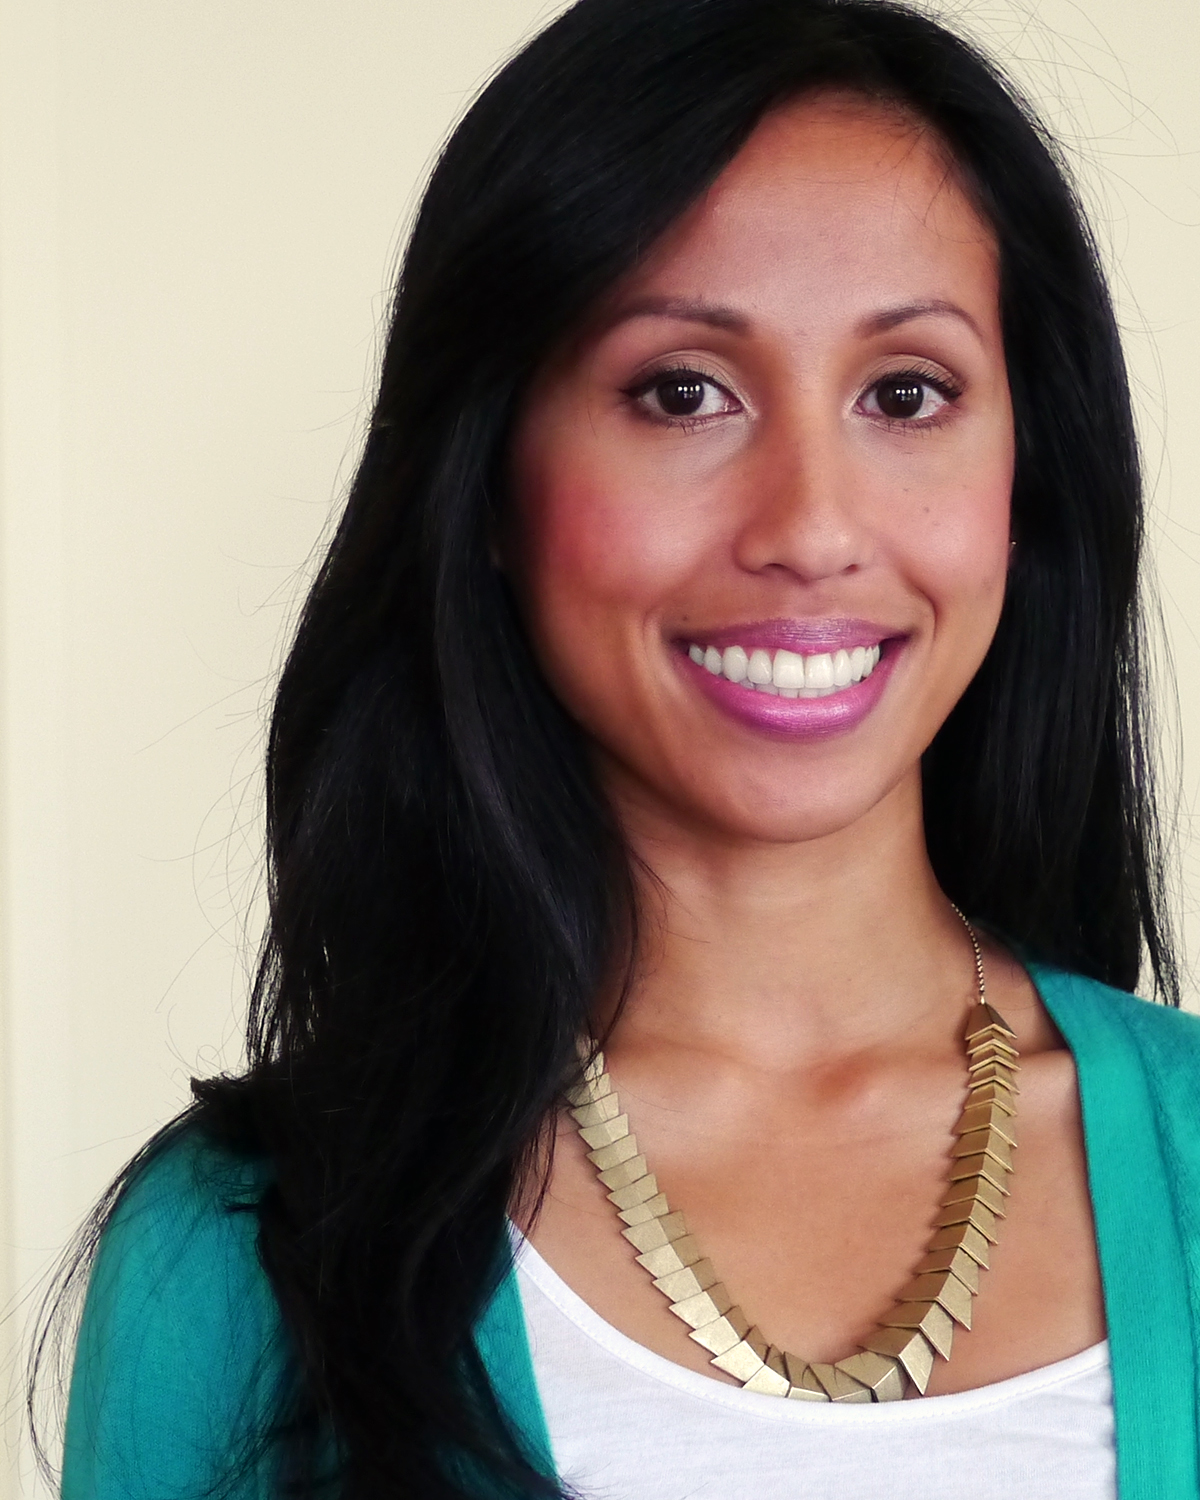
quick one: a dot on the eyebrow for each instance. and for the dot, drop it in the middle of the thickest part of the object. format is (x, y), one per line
(907, 312)
(685, 309)
(712, 315)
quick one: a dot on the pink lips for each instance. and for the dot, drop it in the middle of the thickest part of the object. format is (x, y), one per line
(796, 718)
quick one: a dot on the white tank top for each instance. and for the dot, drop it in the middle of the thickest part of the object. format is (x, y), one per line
(627, 1424)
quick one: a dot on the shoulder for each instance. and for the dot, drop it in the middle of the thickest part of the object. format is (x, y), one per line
(1126, 1047)
(184, 1231)
(1083, 1006)
(188, 1184)
(179, 1361)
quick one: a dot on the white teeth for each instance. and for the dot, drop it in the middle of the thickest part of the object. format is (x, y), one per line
(818, 671)
(736, 663)
(758, 669)
(788, 674)
(788, 670)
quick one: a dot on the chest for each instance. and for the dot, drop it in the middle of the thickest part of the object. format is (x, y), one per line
(669, 1433)
(814, 1227)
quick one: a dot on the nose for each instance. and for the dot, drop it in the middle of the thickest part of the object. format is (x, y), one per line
(799, 510)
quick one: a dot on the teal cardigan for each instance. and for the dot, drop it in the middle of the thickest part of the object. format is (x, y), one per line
(180, 1360)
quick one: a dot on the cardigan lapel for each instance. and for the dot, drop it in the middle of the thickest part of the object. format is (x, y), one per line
(1142, 1262)
(503, 1344)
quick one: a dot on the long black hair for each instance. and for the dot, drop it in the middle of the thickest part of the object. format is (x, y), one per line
(448, 887)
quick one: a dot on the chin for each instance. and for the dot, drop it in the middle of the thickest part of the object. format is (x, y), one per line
(786, 819)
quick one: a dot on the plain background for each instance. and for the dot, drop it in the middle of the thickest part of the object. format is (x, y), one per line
(201, 205)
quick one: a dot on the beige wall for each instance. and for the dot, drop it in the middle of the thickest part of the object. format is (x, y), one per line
(200, 203)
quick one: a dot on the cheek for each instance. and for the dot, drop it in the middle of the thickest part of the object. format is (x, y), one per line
(600, 546)
(957, 553)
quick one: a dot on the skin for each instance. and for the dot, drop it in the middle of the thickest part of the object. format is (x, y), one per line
(791, 1053)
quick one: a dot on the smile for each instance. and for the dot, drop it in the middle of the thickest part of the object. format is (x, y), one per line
(787, 674)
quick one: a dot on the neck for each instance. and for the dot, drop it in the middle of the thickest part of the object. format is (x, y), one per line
(796, 953)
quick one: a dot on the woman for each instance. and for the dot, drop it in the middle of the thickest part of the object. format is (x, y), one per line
(739, 584)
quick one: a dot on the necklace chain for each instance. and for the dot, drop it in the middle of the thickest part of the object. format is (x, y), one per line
(900, 1352)
(980, 983)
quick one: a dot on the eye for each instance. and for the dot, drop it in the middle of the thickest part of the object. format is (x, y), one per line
(682, 395)
(910, 396)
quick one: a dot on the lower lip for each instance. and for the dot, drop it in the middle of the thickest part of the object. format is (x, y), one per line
(796, 718)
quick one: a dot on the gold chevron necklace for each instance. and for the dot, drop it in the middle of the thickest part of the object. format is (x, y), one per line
(921, 1325)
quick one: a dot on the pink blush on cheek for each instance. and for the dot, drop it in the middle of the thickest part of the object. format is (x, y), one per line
(595, 545)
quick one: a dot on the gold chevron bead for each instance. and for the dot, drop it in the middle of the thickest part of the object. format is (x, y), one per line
(841, 1387)
(928, 1318)
(804, 1384)
(993, 1072)
(992, 1053)
(980, 1166)
(944, 1288)
(984, 1016)
(969, 1211)
(958, 1261)
(719, 1336)
(676, 1256)
(962, 1237)
(977, 1143)
(770, 1380)
(980, 1189)
(598, 1113)
(883, 1376)
(625, 1173)
(637, 1192)
(614, 1154)
(643, 1210)
(689, 1281)
(745, 1359)
(987, 1117)
(607, 1132)
(705, 1308)
(910, 1347)
(998, 1094)
(656, 1232)
(590, 1091)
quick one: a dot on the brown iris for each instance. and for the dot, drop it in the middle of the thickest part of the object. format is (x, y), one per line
(680, 395)
(900, 396)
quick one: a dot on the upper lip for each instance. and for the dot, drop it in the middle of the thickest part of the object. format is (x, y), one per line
(805, 637)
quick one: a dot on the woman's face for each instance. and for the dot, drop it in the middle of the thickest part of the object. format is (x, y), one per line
(761, 513)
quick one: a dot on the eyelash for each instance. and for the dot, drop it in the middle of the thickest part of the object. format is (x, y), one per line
(949, 389)
(646, 384)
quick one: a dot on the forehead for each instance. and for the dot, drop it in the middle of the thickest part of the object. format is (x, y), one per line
(834, 200)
